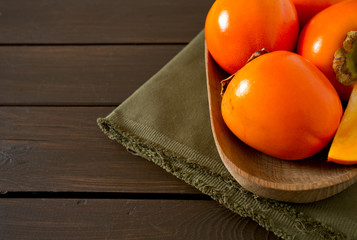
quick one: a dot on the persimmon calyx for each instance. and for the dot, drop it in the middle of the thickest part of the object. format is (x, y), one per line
(257, 54)
(225, 82)
(345, 60)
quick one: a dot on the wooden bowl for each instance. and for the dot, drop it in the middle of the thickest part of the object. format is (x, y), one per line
(298, 181)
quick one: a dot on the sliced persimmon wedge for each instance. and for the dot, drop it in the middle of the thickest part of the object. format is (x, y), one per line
(344, 145)
(343, 149)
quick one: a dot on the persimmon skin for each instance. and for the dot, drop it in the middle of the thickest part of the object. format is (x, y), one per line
(324, 34)
(282, 105)
(234, 29)
(306, 9)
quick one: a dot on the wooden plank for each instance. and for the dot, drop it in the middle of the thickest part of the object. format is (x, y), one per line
(62, 149)
(123, 219)
(73, 75)
(105, 21)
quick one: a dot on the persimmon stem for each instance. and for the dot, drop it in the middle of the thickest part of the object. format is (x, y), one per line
(225, 82)
(257, 54)
(345, 60)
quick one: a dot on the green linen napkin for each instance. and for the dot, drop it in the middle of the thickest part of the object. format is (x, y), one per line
(167, 121)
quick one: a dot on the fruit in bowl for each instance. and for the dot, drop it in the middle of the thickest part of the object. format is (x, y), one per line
(277, 107)
(235, 29)
(282, 105)
(264, 117)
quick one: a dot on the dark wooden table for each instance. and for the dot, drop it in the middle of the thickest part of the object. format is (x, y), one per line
(62, 65)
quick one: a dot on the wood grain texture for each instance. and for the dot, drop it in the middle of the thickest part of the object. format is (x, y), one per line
(299, 181)
(105, 21)
(123, 219)
(63, 149)
(91, 53)
(77, 75)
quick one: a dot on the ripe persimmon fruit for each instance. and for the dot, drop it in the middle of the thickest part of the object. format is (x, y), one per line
(235, 29)
(343, 149)
(324, 34)
(282, 105)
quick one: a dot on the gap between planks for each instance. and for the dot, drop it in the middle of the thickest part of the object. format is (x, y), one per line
(92, 44)
(105, 195)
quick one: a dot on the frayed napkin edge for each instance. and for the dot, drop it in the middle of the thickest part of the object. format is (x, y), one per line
(163, 158)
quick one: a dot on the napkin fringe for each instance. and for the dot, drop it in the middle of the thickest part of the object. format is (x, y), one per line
(175, 165)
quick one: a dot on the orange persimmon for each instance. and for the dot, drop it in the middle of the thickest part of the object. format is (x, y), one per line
(282, 105)
(343, 149)
(324, 34)
(306, 9)
(234, 29)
